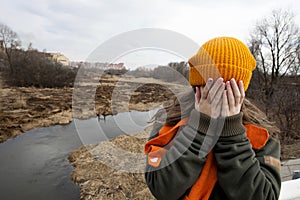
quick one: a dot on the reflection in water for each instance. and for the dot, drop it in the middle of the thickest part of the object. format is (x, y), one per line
(35, 164)
(92, 131)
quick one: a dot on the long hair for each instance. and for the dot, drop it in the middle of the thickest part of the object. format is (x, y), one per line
(181, 106)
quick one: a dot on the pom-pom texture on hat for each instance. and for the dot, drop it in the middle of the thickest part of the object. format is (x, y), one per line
(224, 57)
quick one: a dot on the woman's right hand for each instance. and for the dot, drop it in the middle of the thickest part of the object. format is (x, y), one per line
(209, 100)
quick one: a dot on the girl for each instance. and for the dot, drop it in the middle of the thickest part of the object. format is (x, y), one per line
(214, 143)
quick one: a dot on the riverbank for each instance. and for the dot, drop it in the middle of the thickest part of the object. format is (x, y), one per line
(22, 109)
(112, 169)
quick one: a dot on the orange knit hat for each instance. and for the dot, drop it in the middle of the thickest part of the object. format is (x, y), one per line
(224, 57)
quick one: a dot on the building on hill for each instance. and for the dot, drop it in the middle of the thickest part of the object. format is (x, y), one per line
(99, 65)
(118, 66)
(60, 58)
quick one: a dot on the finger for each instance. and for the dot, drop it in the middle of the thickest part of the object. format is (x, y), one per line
(236, 91)
(242, 91)
(215, 88)
(230, 96)
(197, 95)
(225, 105)
(218, 95)
(216, 104)
(208, 85)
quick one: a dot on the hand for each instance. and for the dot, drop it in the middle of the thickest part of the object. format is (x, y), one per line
(233, 98)
(209, 101)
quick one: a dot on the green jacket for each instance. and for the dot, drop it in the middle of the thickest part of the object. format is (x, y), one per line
(243, 172)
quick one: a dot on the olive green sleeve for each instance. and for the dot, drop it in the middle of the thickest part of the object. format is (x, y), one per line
(244, 173)
(181, 165)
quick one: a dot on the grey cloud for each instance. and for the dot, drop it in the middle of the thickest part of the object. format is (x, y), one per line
(77, 26)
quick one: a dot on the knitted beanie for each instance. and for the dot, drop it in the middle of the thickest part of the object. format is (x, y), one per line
(224, 57)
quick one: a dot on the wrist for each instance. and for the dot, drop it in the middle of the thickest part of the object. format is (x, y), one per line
(226, 127)
(201, 122)
(233, 125)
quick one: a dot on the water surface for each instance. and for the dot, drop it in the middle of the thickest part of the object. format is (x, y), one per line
(35, 164)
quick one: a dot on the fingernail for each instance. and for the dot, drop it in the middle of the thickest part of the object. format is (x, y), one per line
(209, 80)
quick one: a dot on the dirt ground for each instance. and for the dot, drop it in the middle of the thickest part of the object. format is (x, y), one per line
(112, 169)
(290, 151)
(22, 109)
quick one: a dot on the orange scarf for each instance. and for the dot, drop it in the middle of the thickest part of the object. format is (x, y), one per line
(204, 185)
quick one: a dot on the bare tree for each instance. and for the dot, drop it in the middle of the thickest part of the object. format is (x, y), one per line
(275, 45)
(181, 67)
(287, 107)
(295, 70)
(9, 43)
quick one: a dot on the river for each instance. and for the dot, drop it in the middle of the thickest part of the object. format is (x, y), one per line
(35, 164)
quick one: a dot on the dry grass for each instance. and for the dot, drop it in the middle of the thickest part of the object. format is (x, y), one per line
(20, 102)
(99, 180)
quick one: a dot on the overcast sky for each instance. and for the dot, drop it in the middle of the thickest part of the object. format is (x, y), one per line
(76, 27)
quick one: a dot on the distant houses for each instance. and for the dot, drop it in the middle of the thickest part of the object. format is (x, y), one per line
(110, 68)
(119, 66)
(103, 66)
(59, 58)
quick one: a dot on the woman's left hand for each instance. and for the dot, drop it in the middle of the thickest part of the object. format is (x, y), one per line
(233, 98)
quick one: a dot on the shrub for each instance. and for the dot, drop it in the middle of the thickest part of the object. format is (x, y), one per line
(33, 68)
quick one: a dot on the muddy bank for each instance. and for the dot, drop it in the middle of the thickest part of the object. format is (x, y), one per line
(22, 109)
(112, 169)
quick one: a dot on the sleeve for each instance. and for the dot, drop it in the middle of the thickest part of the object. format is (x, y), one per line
(181, 165)
(244, 173)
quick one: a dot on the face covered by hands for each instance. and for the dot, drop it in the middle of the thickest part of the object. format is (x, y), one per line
(219, 99)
